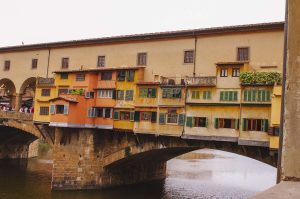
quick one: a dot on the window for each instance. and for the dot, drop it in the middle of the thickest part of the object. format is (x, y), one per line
(147, 92)
(142, 59)
(106, 76)
(101, 61)
(89, 95)
(44, 110)
(45, 92)
(64, 76)
(59, 109)
(65, 63)
(62, 91)
(224, 72)
(195, 94)
(229, 96)
(235, 72)
(121, 75)
(200, 122)
(254, 95)
(34, 63)
(243, 54)
(100, 112)
(80, 77)
(120, 94)
(124, 115)
(129, 95)
(227, 123)
(105, 93)
(172, 118)
(188, 57)
(171, 92)
(255, 125)
(130, 75)
(206, 95)
(146, 116)
(7, 65)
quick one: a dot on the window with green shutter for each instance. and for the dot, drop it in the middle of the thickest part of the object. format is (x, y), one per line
(129, 95)
(229, 96)
(147, 92)
(216, 123)
(162, 118)
(255, 95)
(137, 115)
(171, 92)
(189, 121)
(143, 92)
(195, 94)
(116, 115)
(181, 118)
(206, 95)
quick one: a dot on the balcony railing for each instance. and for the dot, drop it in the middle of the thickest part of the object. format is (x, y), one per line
(45, 81)
(201, 81)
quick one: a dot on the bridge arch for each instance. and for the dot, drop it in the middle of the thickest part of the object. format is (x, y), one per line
(26, 93)
(7, 92)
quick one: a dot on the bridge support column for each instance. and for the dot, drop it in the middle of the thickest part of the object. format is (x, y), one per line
(18, 102)
(78, 161)
(291, 131)
(14, 151)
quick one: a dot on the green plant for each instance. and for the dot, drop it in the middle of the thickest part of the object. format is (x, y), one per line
(260, 78)
(77, 92)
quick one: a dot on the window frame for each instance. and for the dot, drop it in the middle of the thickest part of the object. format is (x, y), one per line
(101, 63)
(142, 62)
(235, 72)
(7, 64)
(64, 77)
(238, 54)
(105, 93)
(34, 63)
(221, 72)
(106, 79)
(65, 61)
(47, 94)
(188, 60)
(44, 110)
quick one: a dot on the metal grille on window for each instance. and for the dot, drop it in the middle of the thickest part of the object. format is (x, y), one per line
(188, 56)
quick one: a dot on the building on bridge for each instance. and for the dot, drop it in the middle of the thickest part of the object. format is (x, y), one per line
(149, 96)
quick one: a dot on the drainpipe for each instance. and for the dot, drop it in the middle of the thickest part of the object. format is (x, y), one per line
(283, 93)
(48, 63)
(195, 54)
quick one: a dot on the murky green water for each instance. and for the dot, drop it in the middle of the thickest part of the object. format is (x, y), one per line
(204, 174)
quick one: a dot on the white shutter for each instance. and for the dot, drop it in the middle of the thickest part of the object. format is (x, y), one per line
(52, 109)
(66, 109)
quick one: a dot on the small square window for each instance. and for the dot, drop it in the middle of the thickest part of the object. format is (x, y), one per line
(188, 56)
(46, 92)
(142, 59)
(64, 76)
(224, 72)
(235, 72)
(101, 61)
(80, 77)
(65, 63)
(34, 63)
(243, 54)
(106, 75)
(7, 65)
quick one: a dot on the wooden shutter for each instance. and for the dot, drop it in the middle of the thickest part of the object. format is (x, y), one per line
(237, 124)
(137, 116)
(265, 125)
(153, 117)
(216, 123)
(131, 116)
(193, 94)
(162, 118)
(189, 121)
(222, 96)
(66, 109)
(114, 94)
(243, 124)
(116, 115)
(181, 118)
(52, 109)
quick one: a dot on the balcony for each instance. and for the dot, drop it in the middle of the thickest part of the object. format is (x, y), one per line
(208, 81)
(45, 81)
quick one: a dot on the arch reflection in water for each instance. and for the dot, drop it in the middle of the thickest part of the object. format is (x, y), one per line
(200, 174)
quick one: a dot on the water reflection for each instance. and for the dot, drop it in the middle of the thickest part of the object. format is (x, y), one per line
(202, 174)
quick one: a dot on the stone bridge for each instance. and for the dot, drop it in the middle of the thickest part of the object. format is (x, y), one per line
(92, 159)
(17, 132)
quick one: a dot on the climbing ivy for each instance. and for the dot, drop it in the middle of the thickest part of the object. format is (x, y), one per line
(260, 78)
(77, 92)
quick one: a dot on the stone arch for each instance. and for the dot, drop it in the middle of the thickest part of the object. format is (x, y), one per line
(7, 91)
(27, 92)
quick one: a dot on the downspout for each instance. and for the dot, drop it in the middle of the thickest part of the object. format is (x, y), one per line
(279, 169)
(195, 54)
(48, 63)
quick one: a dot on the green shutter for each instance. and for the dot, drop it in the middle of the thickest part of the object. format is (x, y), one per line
(237, 124)
(246, 95)
(208, 95)
(230, 98)
(116, 115)
(206, 122)
(268, 96)
(153, 117)
(197, 94)
(131, 116)
(254, 96)
(189, 121)
(193, 94)
(265, 125)
(162, 118)
(243, 124)
(181, 119)
(216, 123)
(52, 109)
(137, 116)
(153, 93)
(259, 96)
(235, 96)
(142, 92)
(222, 96)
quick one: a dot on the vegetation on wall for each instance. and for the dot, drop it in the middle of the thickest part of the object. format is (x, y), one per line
(77, 92)
(263, 78)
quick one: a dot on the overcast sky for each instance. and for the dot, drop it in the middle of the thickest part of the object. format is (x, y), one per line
(36, 21)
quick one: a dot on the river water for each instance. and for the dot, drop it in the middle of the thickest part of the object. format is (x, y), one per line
(203, 174)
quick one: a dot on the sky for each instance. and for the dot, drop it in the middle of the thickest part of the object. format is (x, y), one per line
(40, 21)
